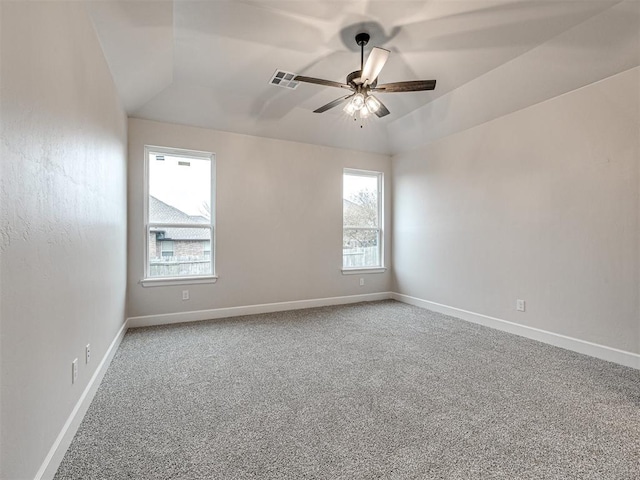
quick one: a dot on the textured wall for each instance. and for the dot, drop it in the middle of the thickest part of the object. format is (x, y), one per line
(540, 205)
(63, 201)
(278, 216)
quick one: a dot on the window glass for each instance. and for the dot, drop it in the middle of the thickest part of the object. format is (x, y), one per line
(179, 213)
(361, 210)
(181, 189)
(167, 248)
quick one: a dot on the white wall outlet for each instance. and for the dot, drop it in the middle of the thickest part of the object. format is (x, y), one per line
(87, 353)
(361, 282)
(185, 294)
(74, 371)
(520, 305)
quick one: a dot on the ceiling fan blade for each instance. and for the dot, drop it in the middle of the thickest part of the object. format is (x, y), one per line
(320, 81)
(376, 60)
(411, 86)
(330, 105)
(382, 110)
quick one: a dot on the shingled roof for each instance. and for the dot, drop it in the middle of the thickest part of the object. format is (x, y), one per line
(160, 212)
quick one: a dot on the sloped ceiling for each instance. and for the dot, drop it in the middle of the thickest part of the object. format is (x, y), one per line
(208, 63)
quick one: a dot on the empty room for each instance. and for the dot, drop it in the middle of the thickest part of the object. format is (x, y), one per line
(276, 239)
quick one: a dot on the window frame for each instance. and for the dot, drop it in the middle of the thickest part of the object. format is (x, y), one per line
(379, 229)
(148, 281)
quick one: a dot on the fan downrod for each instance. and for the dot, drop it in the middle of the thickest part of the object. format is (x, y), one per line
(362, 39)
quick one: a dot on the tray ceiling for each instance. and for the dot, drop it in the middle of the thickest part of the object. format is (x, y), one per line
(208, 63)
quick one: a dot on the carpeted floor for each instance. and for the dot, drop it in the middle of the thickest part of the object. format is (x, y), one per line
(373, 390)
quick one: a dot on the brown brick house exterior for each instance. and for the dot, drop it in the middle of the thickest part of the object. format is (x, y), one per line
(176, 243)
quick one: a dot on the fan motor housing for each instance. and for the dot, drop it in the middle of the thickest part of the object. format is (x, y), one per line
(352, 76)
(357, 74)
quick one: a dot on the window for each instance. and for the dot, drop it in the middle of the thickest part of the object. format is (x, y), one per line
(167, 248)
(361, 220)
(179, 215)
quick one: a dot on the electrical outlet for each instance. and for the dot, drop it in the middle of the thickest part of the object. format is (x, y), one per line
(87, 353)
(520, 305)
(185, 294)
(74, 371)
(362, 282)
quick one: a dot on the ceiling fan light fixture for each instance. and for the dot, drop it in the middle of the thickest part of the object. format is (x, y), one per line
(362, 82)
(349, 108)
(372, 103)
(358, 101)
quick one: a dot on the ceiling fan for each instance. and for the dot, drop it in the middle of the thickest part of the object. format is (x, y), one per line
(364, 82)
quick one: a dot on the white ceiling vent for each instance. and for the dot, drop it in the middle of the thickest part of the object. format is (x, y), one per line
(284, 79)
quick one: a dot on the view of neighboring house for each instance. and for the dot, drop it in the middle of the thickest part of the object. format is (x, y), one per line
(175, 247)
(360, 245)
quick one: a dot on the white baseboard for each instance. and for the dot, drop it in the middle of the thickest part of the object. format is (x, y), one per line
(621, 357)
(198, 315)
(53, 459)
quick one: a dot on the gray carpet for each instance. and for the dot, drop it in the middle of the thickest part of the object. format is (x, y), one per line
(375, 390)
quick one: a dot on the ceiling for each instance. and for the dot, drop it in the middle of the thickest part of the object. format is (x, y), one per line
(208, 63)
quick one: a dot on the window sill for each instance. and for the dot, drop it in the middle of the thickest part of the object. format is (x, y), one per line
(167, 282)
(358, 271)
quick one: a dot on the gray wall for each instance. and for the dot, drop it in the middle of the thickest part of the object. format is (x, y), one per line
(541, 205)
(63, 198)
(279, 220)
